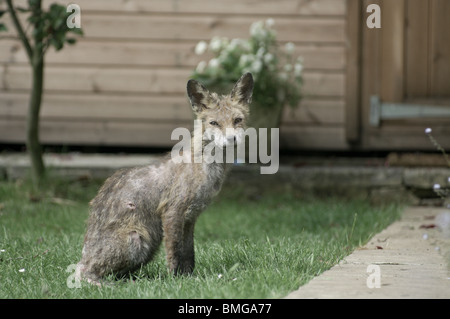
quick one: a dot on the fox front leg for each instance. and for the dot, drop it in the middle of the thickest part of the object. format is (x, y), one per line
(179, 243)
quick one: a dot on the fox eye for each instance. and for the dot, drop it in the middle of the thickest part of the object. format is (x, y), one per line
(214, 123)
(237, 120)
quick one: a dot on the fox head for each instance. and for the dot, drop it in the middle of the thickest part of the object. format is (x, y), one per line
(223, 117)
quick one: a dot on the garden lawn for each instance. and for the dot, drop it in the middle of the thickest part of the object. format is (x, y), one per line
(247, 245)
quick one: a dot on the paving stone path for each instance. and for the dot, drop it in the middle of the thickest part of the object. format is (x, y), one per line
(409, 259)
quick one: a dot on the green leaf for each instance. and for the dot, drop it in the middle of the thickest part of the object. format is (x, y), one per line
(33, 19)
(58, 22)
(58, 45)
(32, 3)
(71, 40)
(78, 31)
(23, 10)
(3, 27)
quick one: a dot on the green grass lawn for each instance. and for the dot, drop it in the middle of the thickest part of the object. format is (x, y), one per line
(247, 246)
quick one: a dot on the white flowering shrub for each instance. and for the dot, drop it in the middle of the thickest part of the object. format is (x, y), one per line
(277, 73)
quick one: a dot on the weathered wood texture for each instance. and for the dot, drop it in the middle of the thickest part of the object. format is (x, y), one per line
(407, 61)
(123, 83)
(428, 47)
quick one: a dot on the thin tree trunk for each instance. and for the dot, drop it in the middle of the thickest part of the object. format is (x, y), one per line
(33, 142)
(37, 65)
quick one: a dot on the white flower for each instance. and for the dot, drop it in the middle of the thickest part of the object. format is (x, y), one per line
(201, 67)
(289, 47)
(268, 57)
(260, 52)
(214, 63)
(219, 276)
(436, 186)
(256, 66)
(201, 47)
(2, 250)
(270, 22)
(256, 28)
(22, 270)
(298, 69)
(245, 60)
(428, 130)
(216, 44)
(246, 46)
(258, 31)
(283, 76)
(235, 43)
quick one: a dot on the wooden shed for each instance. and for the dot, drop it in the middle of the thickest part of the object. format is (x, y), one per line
(123, 83)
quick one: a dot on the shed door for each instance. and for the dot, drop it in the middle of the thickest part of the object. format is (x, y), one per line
(406, 76)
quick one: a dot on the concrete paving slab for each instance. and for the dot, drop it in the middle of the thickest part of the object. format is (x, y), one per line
(409, 259)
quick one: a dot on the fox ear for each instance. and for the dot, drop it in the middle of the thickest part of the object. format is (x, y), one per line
(198, 95)
(243, 89)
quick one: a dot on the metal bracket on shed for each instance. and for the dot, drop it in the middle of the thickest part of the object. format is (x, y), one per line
(391, 111)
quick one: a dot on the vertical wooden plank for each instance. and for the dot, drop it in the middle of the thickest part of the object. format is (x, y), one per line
(392, 50)
(416, 48)
(353, 79)
(385, 68)
(440, 49)
(370, 68)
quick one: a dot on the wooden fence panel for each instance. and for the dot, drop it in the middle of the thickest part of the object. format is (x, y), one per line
(123, 83)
